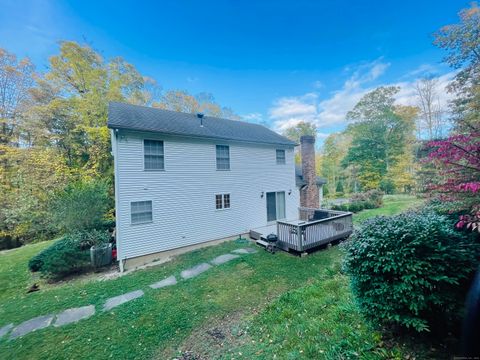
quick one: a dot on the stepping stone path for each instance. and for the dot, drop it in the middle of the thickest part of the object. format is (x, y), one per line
(194, 271)
(31, 325)
(172, 280)
(4, 330)
(121, 299)
(223, 259)
(74, 315)
(245, 251)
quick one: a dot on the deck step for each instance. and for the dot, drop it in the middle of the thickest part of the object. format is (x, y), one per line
(262, 243)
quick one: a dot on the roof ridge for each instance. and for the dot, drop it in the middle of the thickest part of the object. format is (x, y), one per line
(186, 113)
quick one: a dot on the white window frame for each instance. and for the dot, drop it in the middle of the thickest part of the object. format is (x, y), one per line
(284, 161)
(223, 201)
(144, 212)
(143, 152)
(216, 157)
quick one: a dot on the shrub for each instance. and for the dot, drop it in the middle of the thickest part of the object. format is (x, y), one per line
(340, 207)
(387, 186)
(355, 206)
(410, 269)
(369, 205)
(81, 206)
(68, 255)
(371, 199)
(375, 196)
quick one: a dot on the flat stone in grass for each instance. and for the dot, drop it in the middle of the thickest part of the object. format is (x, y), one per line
(194, 271)
(4, 330)
(223, 259)
(74, 315)
(172, 280)
(121, 299)
(244, 251)
(34, 324)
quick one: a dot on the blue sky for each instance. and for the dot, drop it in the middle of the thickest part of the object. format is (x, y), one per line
(273, 62)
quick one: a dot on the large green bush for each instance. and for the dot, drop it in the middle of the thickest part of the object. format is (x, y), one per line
(411, 269)
(81, 206)
(68, 255)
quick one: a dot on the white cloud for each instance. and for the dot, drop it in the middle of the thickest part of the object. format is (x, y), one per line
(254, 117)
(407, 93)
(289, 111)
(318, 84)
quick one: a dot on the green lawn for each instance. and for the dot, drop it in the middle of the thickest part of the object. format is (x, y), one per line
(303, 304)
(392, 204)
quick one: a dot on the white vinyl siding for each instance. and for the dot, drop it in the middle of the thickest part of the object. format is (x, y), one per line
(183, 198)
(153, 155)
(141, 212)
(223, 157)
(280, 157)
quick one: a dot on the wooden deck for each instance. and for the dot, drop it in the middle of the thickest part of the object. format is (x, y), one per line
(306, 233)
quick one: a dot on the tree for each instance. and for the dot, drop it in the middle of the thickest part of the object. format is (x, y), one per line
(457, 158)
(30, 177)
(302, 128)
(72, 99)
(380, 132)
(16, 80)
(462, 43)
(334, 151)
(432, 115)
(205, 103)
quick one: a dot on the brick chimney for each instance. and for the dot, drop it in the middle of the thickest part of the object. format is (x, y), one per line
(309, 193)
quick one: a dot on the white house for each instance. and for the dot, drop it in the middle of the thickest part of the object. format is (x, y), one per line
(184, 179)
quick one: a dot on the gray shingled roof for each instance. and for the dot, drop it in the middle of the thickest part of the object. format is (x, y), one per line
(299, 178)
(142, 118)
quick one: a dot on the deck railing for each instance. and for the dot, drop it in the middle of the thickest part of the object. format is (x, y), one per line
(306, 233)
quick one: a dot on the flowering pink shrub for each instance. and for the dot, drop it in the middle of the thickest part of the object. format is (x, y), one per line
(458, 161)
(469, 222)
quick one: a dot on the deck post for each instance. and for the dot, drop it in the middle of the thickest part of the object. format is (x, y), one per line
(299, 237)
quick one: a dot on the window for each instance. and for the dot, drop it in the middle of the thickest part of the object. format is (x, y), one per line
(218, 202)
(226, 201)
(275, 205)
(280, 157)
(153, 155)
(141, 211)
(223, 157)
(222, 201)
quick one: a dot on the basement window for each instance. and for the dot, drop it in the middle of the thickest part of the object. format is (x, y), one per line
(280, 157)
(141, 212)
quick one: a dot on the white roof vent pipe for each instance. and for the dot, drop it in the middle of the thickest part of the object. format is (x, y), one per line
(200, 116)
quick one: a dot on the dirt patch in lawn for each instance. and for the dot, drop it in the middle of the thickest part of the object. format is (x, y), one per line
(216, 338)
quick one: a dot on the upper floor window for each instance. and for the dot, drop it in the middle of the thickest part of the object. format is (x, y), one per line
(223, 157)
(280, 157)
(153, 155)
(141, 211)
(222, 201)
